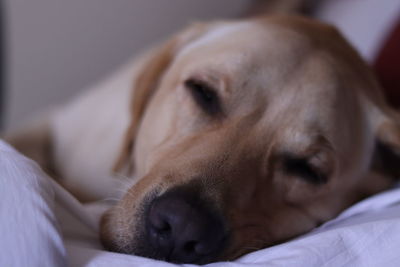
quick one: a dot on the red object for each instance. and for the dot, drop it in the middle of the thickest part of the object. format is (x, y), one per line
(387, 66)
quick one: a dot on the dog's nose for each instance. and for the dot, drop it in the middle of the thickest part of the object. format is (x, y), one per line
(182, 229)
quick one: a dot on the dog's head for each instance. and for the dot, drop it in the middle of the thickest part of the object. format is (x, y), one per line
(246, 134)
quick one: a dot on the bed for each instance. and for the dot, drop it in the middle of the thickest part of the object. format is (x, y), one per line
(43, 225)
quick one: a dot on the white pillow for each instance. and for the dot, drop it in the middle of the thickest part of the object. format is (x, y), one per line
(29, 234)
(366, 234)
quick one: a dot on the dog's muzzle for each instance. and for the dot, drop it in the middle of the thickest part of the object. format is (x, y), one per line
(181, 227)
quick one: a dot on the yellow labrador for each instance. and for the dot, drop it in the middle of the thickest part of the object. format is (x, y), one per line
(236, 135)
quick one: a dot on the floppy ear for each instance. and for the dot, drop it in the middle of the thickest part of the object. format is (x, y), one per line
(146, 83)
(386, 159)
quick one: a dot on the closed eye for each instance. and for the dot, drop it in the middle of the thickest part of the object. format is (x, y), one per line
(301, 168)
(204, 96)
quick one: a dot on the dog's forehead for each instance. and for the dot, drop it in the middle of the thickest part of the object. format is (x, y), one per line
(218, 33)
(251, 36)
(271, 56)
(246, 49)
(288, 73)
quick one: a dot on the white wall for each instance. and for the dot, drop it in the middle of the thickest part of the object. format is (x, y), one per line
(57, 47)
(366, 23)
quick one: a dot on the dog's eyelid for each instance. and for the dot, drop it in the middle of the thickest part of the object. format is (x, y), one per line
(305, 168)
(211, 83)
(196, 81)
(205, 95)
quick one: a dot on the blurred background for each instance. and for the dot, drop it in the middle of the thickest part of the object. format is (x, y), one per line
(53, 49)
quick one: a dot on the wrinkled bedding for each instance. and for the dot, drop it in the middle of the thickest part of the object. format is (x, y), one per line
(41, 224)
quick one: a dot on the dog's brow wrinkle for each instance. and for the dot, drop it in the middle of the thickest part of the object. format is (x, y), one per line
(214, 34)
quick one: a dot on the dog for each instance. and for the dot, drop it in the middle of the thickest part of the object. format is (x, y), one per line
(236, 135)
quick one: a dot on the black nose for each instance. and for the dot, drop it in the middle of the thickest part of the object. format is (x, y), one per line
(182, 228)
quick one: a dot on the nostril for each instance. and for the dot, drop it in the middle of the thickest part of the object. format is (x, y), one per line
(158, 221)
(190, 247)
(163, 228)
(159, 230)
(182, 229)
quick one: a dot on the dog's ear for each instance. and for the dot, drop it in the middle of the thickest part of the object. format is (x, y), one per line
(146, 83)
(386, 160)
(387, 147)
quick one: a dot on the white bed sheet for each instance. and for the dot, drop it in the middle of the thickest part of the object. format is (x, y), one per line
(366, 234)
